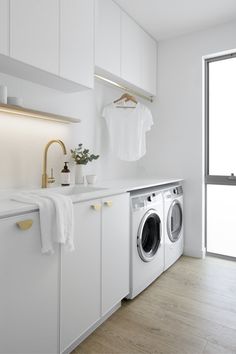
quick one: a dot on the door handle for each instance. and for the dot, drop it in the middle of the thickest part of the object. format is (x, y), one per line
(96, 207)
(25, 224)
(108, 203)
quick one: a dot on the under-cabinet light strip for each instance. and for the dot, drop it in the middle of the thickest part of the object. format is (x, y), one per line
(34, 114)
(25, 114)
(148, 98)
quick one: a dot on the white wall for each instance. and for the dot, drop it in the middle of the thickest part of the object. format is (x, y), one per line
(175, 147)
(22, 140)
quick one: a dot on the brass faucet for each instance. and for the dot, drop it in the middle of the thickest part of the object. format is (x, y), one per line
(45, 178)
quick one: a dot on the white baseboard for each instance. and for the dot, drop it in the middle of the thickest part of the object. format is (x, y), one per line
(190, 252)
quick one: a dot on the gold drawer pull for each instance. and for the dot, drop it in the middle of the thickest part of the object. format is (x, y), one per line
(25, 224)
(108, 203)
(96, 207)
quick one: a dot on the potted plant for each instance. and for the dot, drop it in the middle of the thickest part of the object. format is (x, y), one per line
(81, 156)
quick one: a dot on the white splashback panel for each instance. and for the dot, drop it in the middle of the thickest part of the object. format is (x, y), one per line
(22, 140)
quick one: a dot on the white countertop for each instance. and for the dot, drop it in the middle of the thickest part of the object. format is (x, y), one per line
(130, 185)
(9, 207)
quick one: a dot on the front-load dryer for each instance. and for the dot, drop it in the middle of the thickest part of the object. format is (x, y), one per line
(174, 235)
(147, 241)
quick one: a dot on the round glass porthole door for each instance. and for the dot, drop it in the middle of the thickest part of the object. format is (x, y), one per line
(149, 236)
(175, 220)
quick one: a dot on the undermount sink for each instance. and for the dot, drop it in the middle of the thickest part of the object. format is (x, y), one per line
(75, 190)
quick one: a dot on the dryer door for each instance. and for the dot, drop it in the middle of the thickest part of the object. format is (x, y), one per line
(174, 221)
(149, 236)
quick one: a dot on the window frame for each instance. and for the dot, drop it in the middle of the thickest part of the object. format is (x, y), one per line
(213, 179)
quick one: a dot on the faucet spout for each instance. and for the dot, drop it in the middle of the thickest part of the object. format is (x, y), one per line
(45, 178)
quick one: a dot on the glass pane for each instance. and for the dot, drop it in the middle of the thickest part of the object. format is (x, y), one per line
(176, 220)
(221, 220)
(151, 234)
(222, 117)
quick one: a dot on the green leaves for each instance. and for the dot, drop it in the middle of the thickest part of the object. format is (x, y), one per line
(82, 156)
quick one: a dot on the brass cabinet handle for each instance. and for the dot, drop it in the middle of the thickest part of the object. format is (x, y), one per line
(25, 224)
(96, 207)
(108, 203)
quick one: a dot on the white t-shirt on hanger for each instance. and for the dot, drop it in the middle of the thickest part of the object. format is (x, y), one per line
(127, 130)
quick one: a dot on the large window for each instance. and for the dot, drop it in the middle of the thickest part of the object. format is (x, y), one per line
(221, 155)
(222, 117)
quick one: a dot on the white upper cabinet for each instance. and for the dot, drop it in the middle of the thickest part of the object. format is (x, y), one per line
(4, 27)
(138, 56)
(148, 63)
(51, 42)
(34, 33)
(124, 52)
(77, 41)
(131, 39)
(107, 36)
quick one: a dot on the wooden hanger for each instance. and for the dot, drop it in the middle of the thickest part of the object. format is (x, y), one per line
(126, 97)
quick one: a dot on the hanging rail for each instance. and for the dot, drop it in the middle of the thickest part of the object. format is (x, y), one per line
(113, 83)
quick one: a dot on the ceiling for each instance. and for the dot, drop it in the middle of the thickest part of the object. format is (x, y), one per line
(171, 18)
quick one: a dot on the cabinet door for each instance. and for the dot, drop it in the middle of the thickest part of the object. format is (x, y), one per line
(77, 41)
(29, 290)
(80, 276)
(148, 63)
(131, 35)
(107, 36)
(138, 56)
(115, 250)
(35, 33)
(4, 27)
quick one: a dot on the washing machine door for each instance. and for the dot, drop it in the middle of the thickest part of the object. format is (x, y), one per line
(174, 221)
(149, 236)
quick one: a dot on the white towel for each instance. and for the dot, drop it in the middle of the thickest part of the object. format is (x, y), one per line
(64, 219)
(52, 207)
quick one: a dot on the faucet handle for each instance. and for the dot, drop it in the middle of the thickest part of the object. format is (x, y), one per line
(51, 179)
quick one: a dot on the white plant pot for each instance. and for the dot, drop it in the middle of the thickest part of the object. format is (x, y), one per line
(79, 174)
(91, 179)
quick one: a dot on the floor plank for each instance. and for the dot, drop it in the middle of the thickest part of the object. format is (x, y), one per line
(190, 309)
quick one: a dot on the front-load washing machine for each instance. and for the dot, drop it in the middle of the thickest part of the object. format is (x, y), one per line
(147, 241)
(173, 234)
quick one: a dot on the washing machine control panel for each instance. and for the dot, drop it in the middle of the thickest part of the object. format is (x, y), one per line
(151, 197)
(177, 190)
(143, 201)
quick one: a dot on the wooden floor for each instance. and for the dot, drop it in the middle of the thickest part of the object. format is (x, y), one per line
(190, 309)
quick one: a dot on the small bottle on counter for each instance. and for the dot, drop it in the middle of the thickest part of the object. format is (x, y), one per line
(65, 175)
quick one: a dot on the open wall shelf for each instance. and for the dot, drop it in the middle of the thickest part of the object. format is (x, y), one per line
(26, 112)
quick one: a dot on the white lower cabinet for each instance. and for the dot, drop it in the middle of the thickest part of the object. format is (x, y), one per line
(29, 294)
(49, 303)
(95, 277)
(115, 250)
(80, 276)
